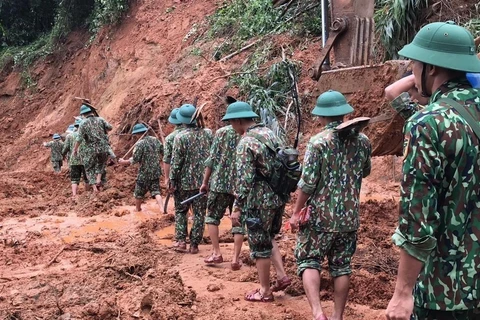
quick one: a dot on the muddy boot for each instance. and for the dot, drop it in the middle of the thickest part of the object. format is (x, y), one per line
(179, 246)
(193, 248)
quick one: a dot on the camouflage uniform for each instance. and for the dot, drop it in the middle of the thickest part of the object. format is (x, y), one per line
(190, 150)
(332, 175)
(260, 207)
(56, 154)
(93, 133)
(167, 156)
(439, 221)
(404, 105)
(111, 155)
(147, 152)
(74, 161)
(221, 188)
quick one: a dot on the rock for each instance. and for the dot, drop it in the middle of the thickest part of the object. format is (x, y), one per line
(213, 287)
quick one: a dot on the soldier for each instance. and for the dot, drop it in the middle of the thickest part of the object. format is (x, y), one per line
(439, 223)
(147, 153)
(190, 150)
(167, 157)
(56, 152)
(93, 133)
(255, 202)
(333, 168)
(218, 181)
(74, 161)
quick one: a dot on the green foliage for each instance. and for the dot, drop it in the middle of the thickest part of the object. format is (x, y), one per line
(25, 42)
(269, 90)
(396, 23)
(245, 19)
(107, 12)
(473, 25)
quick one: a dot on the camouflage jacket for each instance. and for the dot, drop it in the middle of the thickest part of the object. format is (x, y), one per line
(404, 105)
(93, 132)
(222, 160)
(190, 150)
(67, 151)
(167, 157)
(56, 149)
(332, 175)
(147, 152)
(439, 221)
(252, 160)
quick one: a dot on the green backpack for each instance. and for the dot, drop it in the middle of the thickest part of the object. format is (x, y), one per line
(286, 169)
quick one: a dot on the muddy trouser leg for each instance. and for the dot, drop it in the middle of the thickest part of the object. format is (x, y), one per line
(100, 163)
(181, 212)
(56, 166)
(199, 210)
(89, 165)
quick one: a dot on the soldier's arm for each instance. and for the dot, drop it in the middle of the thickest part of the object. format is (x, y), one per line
(137, 154)
(398, 87)
(66, 146)
(367, 167)
(47, 144)
(214, 154)
(178, 154)
(245, 164)
(107, 125)
(419, 219)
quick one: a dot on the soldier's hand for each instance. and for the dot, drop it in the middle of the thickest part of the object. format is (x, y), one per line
(204, 188)
(167, 182)
(235, 217)
(171, 188)
(294, 222)
(400, 307)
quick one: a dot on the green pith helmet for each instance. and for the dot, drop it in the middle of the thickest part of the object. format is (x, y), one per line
(77, 123)
(56, 136)
(332, 104)
(444, 44)
(185, 113)
(239, 110)
(173, 117)
(139, 128)
(70, 128)
(85, 109)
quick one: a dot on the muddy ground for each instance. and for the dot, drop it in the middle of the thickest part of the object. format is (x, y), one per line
(98, 259)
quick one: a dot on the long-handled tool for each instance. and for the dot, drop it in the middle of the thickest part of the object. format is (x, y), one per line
(198, 195)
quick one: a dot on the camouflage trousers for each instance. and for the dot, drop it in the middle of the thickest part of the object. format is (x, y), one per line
(262, 226)
(199, 207)
(94, 164)
(217, 204)
(142, 187)
(312, 246)
(426, 314)
(76, 173)
(57, 165)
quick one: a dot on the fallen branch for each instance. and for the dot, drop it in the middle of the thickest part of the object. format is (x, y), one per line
(233, 74)
(162, 135)
(55, 258)
(302, 12)
(240, 50)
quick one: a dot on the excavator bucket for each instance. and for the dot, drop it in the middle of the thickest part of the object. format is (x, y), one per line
(350, 49)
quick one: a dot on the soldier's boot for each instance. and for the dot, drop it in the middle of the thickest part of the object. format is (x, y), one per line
(179, 246)
(194, 249)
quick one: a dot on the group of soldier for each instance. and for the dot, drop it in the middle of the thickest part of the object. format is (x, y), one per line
(439, 219)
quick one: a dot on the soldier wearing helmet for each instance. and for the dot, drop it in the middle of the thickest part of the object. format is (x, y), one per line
(329, 190)
(56, 152)
(92, 132)
(147, 152)
(439, 223)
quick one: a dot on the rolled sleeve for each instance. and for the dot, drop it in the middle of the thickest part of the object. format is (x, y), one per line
(419, 218)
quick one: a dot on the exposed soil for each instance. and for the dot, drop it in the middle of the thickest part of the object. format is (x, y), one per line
(97, 258)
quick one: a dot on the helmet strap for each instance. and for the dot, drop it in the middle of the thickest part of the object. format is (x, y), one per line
(424, 81)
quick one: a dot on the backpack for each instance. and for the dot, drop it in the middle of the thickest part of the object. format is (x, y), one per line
(286, 169)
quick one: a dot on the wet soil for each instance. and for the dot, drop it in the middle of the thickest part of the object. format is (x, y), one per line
(61, 263)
